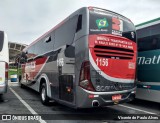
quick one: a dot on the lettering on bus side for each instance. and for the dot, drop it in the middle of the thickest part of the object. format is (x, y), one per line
(60, 62)
(152, 60)
(31, 65)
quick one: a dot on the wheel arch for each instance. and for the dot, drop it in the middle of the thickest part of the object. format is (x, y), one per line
(44, 79)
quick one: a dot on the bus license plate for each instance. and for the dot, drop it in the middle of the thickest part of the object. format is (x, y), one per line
(116, 97)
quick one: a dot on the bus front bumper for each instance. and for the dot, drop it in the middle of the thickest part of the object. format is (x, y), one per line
(89, 99)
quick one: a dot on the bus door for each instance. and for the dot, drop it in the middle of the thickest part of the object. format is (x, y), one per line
(66, 69)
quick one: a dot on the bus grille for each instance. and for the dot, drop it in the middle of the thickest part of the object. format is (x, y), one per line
(113, 52)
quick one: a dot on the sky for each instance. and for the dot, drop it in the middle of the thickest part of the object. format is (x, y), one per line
(26, 20)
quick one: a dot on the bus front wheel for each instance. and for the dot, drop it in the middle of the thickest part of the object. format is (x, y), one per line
(43, 94)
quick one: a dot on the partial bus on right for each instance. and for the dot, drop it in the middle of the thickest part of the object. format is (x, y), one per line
(148, 70)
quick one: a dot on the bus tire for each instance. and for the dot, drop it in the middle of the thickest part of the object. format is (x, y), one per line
(43, 94)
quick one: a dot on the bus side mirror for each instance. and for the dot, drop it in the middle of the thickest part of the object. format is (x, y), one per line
(70, 51)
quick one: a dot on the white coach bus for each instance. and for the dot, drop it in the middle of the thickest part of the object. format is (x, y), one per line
(4, 58)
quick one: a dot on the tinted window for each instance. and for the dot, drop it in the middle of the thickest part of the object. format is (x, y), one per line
(39, 47)
(1, 40)
(79, 24)
(148, 31)
(149, 38)
(104, 22)
(47, 44)
(30, 52)
(149, 43)
(64, 35)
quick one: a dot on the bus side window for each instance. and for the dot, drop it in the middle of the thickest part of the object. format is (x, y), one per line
(48, 39)
(47, 45)
(64, 35)
(154, 44)
(158, 43)
(79, 23)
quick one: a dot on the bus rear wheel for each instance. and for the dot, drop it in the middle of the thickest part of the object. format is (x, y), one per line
(43, 94)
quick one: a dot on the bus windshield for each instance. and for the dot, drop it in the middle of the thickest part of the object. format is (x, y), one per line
(106, 22)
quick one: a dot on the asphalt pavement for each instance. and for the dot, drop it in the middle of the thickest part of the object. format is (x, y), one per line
(24, 102)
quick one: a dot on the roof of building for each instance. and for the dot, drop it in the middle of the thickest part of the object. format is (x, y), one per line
(15, 49)
(148, 23)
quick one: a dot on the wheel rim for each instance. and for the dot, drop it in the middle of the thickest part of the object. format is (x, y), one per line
(43, 94)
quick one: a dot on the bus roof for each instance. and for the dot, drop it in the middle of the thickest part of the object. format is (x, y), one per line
(91, 7)
(52, 29)
(148, 23)
(59, 24)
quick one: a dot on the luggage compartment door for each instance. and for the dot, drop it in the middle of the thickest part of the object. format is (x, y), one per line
(66, 68)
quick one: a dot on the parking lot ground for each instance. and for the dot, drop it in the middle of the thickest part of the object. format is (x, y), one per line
(27, 102)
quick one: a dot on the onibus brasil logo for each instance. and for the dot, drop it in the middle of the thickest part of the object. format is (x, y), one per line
(102, 23)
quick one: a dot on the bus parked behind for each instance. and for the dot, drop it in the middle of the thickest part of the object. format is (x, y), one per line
(148, 35)
(4, 59)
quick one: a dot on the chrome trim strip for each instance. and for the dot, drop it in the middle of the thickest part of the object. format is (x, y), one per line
(105, 93)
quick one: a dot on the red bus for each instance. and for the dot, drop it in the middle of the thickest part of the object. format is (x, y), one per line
(88, 60)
